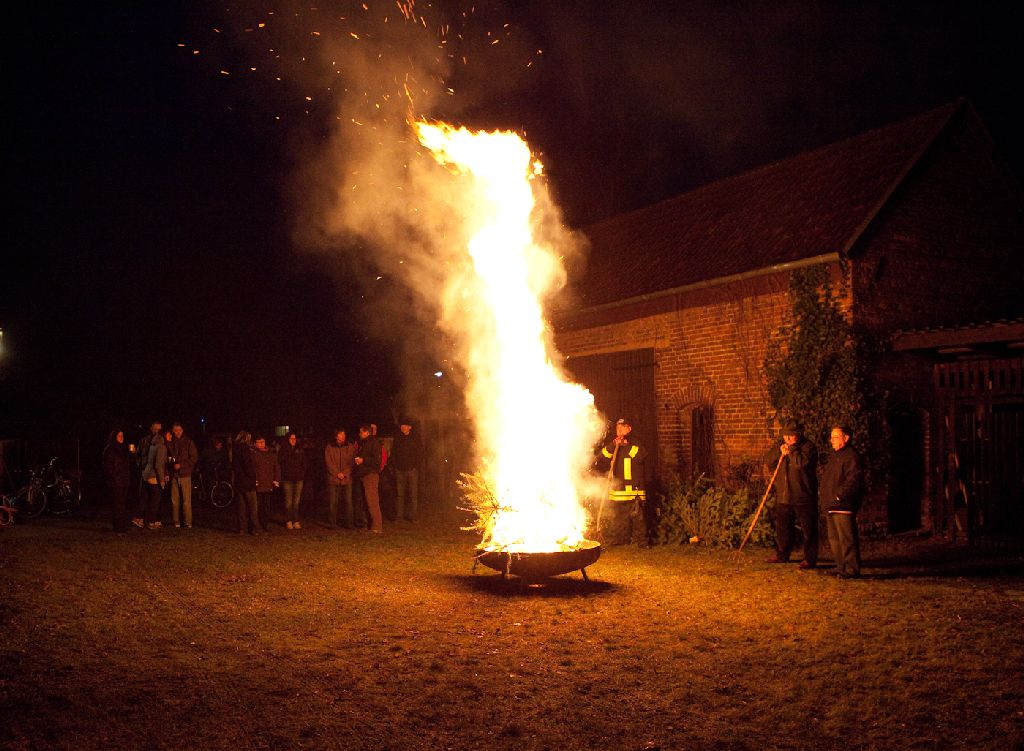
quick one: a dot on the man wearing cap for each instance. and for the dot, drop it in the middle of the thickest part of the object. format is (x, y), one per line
(626, 489)
(842, 487)
(796, 495)
(406, 458)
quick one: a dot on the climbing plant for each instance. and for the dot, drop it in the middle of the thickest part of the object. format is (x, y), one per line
(817, 371)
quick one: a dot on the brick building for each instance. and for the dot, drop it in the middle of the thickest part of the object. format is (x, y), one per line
(919, 224)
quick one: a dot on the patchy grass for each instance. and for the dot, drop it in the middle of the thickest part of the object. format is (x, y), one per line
(342, 640)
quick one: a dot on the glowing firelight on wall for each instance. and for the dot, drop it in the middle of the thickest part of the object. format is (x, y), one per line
(534, 428)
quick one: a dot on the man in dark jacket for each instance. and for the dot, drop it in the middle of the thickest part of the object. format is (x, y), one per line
(268, 475)
(796, 495)
(245, 484)
(840, 493)
(406, 458)
(368, 467)
(185, 454)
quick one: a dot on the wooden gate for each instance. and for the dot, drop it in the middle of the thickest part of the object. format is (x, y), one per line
(981, 408)
(623, 386)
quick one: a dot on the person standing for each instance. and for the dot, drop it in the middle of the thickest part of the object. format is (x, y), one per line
(185, 457)
(117, 471)
(796, 495)
(626, 486)
(268, 474)
(292, 458)
(245, 484)
(368, 468)
(154, 477)
(840, 493)
(212, 460)
(406, 458)
(141, 457)
(339, 458)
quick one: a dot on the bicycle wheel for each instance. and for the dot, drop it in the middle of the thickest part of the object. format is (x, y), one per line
(31, 501)
(61, 498)
(221, 494)
(6, 514)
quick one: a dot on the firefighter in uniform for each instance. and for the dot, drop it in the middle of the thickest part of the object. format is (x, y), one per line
(624, 520)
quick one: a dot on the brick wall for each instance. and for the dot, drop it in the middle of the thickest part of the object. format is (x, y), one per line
(947, 249)
(709, 348)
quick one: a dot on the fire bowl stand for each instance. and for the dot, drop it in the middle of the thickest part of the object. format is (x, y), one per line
(537, 566)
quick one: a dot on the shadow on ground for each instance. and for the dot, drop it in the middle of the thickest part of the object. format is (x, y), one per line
(566, 587)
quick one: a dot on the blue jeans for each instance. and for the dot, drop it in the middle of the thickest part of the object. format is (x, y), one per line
(292, 496)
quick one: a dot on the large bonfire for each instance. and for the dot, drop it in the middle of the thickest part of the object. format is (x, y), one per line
(535, 429)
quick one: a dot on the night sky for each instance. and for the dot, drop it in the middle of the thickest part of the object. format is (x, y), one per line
(153, 265)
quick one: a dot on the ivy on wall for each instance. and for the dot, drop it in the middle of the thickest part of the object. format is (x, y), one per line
(817, 371)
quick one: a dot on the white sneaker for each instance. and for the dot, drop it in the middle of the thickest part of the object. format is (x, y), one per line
(298, 525)
(177, 526)
(290, 525)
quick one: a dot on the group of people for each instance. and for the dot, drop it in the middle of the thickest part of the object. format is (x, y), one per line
(165, 462)
(800, 491)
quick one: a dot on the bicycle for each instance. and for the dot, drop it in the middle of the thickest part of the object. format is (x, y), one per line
(31, 500)
(61, 491)
(7, 511)
(216, 490)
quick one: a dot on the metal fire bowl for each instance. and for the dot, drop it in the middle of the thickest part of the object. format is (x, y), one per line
(541, 565)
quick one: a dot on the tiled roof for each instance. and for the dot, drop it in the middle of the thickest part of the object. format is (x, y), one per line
(812, 204)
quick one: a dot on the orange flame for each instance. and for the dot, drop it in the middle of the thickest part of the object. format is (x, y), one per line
(535, 429)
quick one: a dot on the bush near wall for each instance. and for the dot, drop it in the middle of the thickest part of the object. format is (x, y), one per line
(709, 513)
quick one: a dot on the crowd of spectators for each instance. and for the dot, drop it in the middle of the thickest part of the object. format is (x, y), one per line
(268, 479)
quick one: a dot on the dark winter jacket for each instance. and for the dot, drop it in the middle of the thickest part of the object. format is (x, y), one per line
(406, 452)
(629, 463)
(185, 454)
(796, 483)
(268, 471)
(293, 462)
(245, 471)
(370, 453)
(842, 481)
(116, 464)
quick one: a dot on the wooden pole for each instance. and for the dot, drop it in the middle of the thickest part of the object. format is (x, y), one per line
(767, 490)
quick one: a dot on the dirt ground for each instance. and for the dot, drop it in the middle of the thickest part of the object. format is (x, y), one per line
(323, 639)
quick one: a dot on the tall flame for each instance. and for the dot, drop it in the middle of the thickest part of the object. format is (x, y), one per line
(535, 429)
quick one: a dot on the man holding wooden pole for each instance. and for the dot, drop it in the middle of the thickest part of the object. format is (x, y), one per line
(796, 495)
(625, 487)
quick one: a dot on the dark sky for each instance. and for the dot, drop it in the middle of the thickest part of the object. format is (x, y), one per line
(150, 267)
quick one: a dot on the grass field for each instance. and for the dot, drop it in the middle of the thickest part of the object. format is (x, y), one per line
(341, 640)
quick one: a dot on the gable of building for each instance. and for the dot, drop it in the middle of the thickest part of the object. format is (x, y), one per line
(814, 204)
